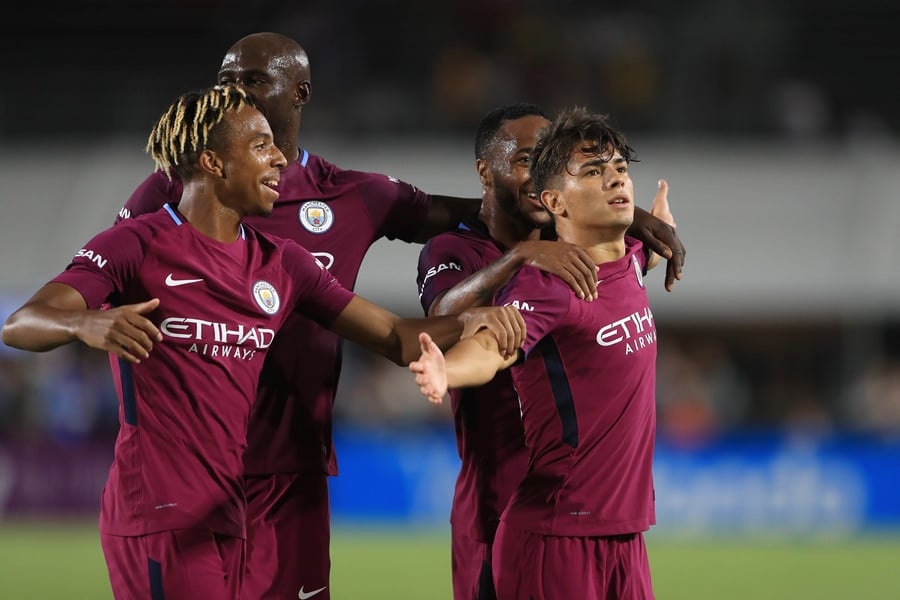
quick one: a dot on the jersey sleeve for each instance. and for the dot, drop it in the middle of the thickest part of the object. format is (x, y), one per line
(542, 299)
(317, 294)
(398, 209)
(101, 269)
(444, 261)
(150, 196)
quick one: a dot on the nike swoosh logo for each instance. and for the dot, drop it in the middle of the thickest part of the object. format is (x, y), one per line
(304, 595)
(172, 282)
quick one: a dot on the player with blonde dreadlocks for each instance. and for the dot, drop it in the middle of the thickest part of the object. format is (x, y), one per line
(187, 301)
(188, 126)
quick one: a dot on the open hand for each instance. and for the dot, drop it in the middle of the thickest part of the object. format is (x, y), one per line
(430, 370)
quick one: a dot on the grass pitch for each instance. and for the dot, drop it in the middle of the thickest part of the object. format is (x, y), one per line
(63, 560)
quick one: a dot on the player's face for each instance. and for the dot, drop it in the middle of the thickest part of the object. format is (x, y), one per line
(251, 164)
(598, 190)
(265, 73)
(510, 160)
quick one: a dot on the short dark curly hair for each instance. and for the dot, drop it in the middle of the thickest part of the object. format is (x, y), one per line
(575, 129)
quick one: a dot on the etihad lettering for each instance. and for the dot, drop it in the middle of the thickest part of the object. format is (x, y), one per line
(94, 258)
(222, 351)
(187, 328)
(636, 331)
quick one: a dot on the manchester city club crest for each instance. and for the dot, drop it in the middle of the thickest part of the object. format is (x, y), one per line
(266, 297)
(316, 216)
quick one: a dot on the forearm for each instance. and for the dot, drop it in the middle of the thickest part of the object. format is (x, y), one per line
(445, 213)
(478, 289)
(444, 330)
(474, 361)
(395, 338)
(39, 328)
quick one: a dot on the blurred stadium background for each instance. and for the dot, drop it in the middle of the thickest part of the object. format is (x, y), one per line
(778, 471)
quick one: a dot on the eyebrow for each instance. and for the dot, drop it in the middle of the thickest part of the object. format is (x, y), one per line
(599, 162)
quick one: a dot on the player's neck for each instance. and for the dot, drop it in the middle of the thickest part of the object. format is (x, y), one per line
(508, 230)
(602, 245)
(210, 217)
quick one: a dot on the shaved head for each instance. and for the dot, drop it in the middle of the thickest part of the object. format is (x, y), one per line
(274, 69)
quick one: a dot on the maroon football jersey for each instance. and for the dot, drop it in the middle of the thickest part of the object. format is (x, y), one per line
(489, 434)
(337, 215)
(184, 410)
(587, 391)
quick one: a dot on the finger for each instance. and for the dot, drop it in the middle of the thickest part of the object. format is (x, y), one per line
(142, 308)
(581, 275)
(141, 331)
(132, 342)
(520, 331)
(125, 347)
(673, 269)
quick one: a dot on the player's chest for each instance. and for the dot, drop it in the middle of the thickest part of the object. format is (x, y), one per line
(337, 232)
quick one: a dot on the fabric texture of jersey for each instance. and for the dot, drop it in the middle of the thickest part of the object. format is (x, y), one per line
(184, 410)
(587, 391)
(336, 214)
(489, 434)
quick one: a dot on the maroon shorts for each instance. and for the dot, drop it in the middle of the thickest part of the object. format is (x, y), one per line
(529, 566)
(288, 536)
(174, 565)
(471, 568)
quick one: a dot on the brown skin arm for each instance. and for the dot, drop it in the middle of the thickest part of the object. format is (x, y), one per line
(57, 315)
(445, 213)
(566, 260)
(397, 339)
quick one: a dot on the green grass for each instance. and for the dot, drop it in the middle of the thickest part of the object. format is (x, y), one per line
(50, 561)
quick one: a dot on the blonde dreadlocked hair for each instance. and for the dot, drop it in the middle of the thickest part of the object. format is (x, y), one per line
(190, 125)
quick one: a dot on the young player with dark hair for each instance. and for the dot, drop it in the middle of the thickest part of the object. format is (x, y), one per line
(574, 525)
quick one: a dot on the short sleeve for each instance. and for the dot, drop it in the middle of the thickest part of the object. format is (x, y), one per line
(444, 261)
(398, 209)
(542, 299)
(104, 266)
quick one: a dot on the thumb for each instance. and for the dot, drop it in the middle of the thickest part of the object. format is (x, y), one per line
(660, 208)
(145, 307)
(425, 342)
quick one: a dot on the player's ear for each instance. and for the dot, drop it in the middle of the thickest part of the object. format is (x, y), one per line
(484, 173)
(303, 93)
(211, 163)
(553, 202)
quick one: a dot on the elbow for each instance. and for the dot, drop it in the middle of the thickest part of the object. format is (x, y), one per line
(10, 335)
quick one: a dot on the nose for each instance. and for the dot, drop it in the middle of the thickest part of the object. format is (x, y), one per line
(279, 159)
(615, 179)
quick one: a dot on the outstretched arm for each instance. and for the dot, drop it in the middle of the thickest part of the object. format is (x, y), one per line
(473, 361)
(568, 261)
(660, 237)
(397, 338)
(57, 315)
(445, 213)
